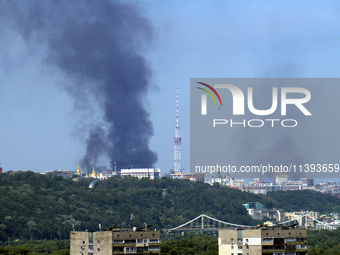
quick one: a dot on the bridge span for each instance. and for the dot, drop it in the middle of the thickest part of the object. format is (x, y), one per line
(206, 223)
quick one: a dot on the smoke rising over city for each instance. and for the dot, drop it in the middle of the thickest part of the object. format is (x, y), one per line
(98, 45)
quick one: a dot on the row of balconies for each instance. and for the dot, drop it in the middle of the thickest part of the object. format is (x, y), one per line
(129, 241)
(136, 242)
(286, 248)
(136, 250)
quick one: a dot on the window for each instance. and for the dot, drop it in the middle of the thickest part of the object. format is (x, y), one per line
(232, 240)
(267, 239)
(83, 242)
(132, 249)
(98, 250)
(98, 242)
(300, 246)
(239, 247)
(239, 240)
(247, 247)
(130, 241)
(90, 242)
(232, 247)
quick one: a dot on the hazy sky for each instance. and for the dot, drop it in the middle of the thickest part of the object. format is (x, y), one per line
(42, 126)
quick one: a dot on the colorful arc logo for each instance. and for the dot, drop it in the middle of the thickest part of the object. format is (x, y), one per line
(209, 93)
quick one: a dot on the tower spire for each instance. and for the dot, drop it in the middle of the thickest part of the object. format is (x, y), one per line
(177, 145)
(177, 109)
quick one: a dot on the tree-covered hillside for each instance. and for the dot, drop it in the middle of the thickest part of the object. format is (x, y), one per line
(46, 207)
(43, 206)
(297, 200)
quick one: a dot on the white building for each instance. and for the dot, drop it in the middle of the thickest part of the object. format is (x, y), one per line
(151, 173)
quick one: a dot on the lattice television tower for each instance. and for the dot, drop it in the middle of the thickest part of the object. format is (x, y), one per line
(177, 146)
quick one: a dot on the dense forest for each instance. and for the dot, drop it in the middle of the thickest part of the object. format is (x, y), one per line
(47, 207)
(55, 247)
(324, 242)
(297, 200)
(191, 243)
(37, 207)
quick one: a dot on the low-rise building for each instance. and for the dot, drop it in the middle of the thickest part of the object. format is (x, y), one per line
(151, 173)
(226, 181)
(256, 210)
(67, 174)
(258, 186)
(199, 177)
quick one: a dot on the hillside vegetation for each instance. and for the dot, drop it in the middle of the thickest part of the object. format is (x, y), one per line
(47, 207)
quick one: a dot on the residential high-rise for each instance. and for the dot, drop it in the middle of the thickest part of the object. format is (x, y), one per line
(115, 241)
(177, 146)
(264, 240)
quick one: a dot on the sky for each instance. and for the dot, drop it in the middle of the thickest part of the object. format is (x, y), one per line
(45, 125)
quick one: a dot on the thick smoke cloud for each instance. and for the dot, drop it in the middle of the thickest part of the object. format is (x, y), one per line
(98, 44)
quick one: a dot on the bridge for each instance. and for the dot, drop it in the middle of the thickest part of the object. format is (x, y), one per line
(207, 223)
(97, 181)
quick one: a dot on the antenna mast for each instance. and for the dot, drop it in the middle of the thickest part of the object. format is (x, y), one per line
(177, 145)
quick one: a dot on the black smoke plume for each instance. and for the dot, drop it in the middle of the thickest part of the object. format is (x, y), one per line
(98, 44)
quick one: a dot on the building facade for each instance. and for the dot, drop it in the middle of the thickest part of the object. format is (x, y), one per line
(265, 241)
(303, 221)
(115, 241)
(151, 173)
(199, 177)
(256, 210)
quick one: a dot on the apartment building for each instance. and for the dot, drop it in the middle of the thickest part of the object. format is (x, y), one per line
(115, 241)
(265, 241)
